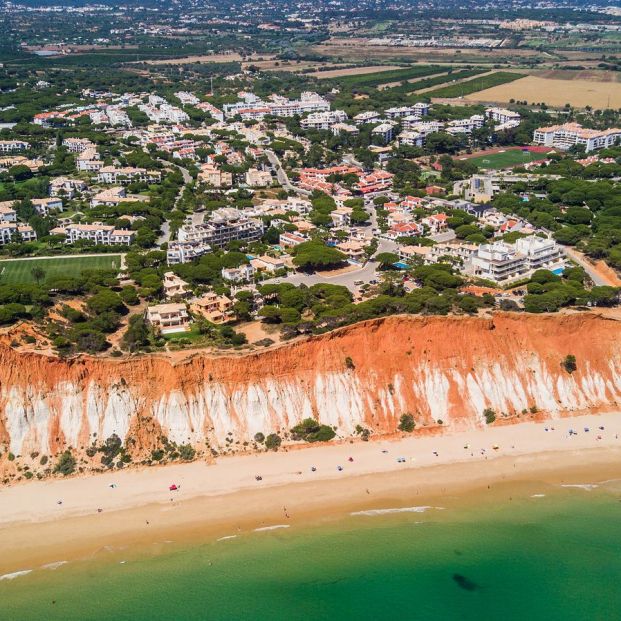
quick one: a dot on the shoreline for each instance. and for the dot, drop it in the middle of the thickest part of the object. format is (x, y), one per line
(224, 499)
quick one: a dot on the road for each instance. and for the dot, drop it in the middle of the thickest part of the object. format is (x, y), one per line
(164, 237)
(281, 175)
(597, 278)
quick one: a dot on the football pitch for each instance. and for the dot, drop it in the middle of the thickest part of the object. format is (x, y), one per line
(506, 159)
(20, 271)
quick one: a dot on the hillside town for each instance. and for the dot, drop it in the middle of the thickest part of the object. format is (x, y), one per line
(219, 212)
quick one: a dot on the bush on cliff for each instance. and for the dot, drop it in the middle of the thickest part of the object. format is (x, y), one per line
(310, 430)
(406, 423)
(272, 442)
(66, 464)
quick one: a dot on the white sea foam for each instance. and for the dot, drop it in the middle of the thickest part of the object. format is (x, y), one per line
(54, 565)
(538, 496)
(372, 512)
(275, 527)
(15, 574)
(586, 486)
(227, 537)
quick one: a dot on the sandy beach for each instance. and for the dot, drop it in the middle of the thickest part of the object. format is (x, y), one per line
(65, 519)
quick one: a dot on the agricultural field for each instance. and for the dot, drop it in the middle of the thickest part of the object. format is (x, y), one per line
(339, 73)
(376, 78)
(507, 158)
(20, 271)
(535, 89)
(427, 84)
(477, 84)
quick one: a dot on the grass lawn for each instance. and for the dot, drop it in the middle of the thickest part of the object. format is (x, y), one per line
(513, 157)
(193, 334)
(20, 271)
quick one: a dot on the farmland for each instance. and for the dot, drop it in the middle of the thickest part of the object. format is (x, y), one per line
(477, 84)
(352, 71)
(377, 78)
(580, 93)
(19, 271)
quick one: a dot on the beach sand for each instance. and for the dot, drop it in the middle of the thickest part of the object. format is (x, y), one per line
(224, 499)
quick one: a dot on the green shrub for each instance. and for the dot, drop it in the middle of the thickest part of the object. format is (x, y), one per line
(406, 423)
(490, 415)
(569, 363)
(312, 431)
(272, 442)
(66, 464)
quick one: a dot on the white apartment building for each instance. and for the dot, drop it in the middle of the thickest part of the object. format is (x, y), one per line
(10, 146)
(128, 174)
(220, 231)
(44, 206)
(7, 212)
(418, 110)
(383, 132)
(502, 262)
(103, 234)
(242, 273)
(502, 115)
(168, 318)
(465, 126)
(187, 99)
(11, 232)
(570, 134)
(370, 116)
(251, 107)
(67, 187)
(184, 252)
(323, 120)
(411, 139)
(78, 145)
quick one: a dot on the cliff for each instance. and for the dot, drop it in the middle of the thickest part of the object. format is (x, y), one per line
(369, 374)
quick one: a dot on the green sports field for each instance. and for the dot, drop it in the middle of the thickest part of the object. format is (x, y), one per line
(20, 271)
(506, 159)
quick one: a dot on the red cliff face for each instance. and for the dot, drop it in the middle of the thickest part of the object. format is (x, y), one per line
(369, 374)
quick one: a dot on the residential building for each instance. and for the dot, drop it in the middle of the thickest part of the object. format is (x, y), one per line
(126, 175)
(291, 240)
(244, 272)
(383, 132)
(353, 248)
(78, 145)
(174, 286)
(7, 212)
(213, 307)
(169, 318)
(114, 196)
(184, 252)
(258, 178)
(214, 177)
(411, 139)
(366, 117)
(502, 115)
(11, 232)
(340, 128)
(66, 187)
(101, 234)
(10, 146)
(375, 181)
(220, 231)
(503, 262)
(341, 216)
(570, 134)
(323, 120)
(465, 126)
(44, 206)
(268, 264)
(187, 99)
(251, 107)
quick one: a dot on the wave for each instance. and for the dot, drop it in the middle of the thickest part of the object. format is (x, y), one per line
(585, 486)
(227, 537)
(420, 509)
(275, 527)
(15, 574)
(538, 496)
(54, 565)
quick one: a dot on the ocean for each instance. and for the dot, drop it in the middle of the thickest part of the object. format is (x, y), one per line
(552, 556)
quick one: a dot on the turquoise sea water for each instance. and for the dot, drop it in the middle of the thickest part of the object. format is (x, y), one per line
(548, 558)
